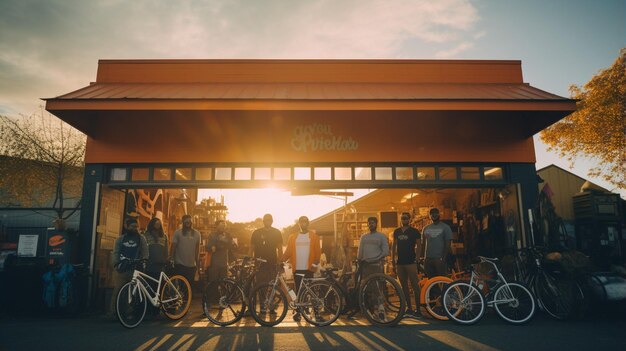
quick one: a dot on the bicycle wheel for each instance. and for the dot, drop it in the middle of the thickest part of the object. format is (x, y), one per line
(463, 303)
(323, 303)
(223, 302)
(514, 303)
(131, 305)
(176, 297)
(433, 294)
(381, 300)
(268, 306)
(557, 296)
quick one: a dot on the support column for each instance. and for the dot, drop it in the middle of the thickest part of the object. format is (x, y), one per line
(93, 178)
(525, 174)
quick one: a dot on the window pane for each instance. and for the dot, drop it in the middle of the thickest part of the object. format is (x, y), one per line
(302, 173)
(223, 173)
(203, 173)
(343, 173)
(322, 173)
(162, 174)
(447, 173)
(470, 173)
(426, 173)
(404, 173)
(140, 174)
(363, 173)
(243, 173)
(263, 173)
(183, 174)
(118, 174)
(493, 173)
(383, 173)
(282, 173)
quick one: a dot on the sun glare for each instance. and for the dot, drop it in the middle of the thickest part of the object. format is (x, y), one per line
(245, 205)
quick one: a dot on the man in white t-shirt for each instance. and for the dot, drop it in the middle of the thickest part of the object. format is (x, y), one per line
(303, 251)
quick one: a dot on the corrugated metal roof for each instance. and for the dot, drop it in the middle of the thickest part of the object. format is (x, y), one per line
(310, 91)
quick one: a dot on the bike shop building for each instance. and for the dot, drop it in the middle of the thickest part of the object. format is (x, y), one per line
(163, 128)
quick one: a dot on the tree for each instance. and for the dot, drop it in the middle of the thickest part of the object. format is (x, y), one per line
(598, 127)
(42, 163)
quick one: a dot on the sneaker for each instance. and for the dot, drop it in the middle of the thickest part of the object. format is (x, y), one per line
(414, 314)
(296, 316)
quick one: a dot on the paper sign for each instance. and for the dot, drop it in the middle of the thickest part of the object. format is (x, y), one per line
(27, 245)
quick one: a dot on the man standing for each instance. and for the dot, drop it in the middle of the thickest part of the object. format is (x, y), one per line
(186, 250)
(373, 248)
(266, 243)
(130, 245)
(303, 250)
(437, 238)
(405, 253)
(221, 244)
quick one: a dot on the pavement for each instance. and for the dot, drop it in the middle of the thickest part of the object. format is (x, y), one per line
(195, 332)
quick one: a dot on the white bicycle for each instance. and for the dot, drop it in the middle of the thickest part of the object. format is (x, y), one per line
(465, 301)
(172, 296)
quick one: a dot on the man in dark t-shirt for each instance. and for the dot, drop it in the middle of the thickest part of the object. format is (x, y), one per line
(266, 243)
(405, 253)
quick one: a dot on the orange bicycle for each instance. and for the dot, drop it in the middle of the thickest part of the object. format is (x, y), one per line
(431, 292)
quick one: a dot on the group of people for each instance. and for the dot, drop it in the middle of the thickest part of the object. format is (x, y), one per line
(302, 251)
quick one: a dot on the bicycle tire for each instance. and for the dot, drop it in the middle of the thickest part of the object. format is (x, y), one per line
(326, 303)
(388, 302)
(130, 305)
(180, 289)
(265, 299)
(518, 311)
(433, 297)
(556, 296)
(223, 302)
(458, 308)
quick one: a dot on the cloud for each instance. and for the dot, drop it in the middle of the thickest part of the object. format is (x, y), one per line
(454, 51)
(52, 47)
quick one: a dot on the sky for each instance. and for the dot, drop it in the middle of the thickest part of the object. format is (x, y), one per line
(49, 48)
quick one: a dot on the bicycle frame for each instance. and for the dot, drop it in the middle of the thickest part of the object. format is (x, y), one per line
(139, 282)
(279, 283)
(476, 279)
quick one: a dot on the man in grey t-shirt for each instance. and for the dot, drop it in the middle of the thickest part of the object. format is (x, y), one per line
(373, 248)
(186, 250)
(437, 237)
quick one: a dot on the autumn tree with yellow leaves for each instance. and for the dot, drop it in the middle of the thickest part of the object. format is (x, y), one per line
(598, 127)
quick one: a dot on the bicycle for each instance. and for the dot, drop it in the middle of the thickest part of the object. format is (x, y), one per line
(431, 292)
(318, 301)
(173, 297)
(340, 282)
(379, 297)
(224, 301)
(557, 294)
(465, 302)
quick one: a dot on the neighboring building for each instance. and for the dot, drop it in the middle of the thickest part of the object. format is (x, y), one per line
(36, 216)
(564, 185)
